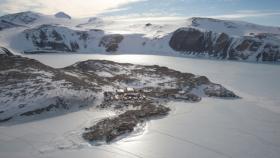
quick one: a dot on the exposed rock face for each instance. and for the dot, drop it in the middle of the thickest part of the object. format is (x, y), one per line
(111, 42)
(270, 53)
(58, 38)
(192, 40)
(47, 38)
(28, 87)
(222, 46)
(5, 51)
(109, 129)
(218, 91)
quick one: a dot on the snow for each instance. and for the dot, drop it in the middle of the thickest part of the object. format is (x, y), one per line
(22, 18)
(144, 36)
(247, 127)
(236, 28)
(104, 74)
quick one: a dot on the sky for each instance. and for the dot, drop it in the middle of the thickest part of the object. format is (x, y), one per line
(265, 12)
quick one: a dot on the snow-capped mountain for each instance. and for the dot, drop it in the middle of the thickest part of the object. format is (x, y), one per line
(62, 15)
(237, 28)
(196, 37)
(22, 18)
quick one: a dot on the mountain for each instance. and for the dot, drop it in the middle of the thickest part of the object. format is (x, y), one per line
(62, 15)
(21, 18)
(237, 28)
(18, 20)
(261, 47)
(195, 37)
(48, 38)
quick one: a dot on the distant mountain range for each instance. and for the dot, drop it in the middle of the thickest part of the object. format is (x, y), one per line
(30, 32)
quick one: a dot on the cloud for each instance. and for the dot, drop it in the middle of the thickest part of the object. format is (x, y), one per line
(247, 14)
(77, 8)
(157, 15)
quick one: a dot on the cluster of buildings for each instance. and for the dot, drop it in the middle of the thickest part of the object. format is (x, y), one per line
(124, 94)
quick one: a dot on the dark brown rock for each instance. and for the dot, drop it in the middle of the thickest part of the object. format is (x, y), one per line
(111, 42)
(109, 129)
(219, 91)
(223, 46)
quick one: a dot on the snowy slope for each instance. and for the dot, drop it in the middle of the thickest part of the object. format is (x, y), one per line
(218, 39)
(29, 88)
(237, 28)
(22, 18)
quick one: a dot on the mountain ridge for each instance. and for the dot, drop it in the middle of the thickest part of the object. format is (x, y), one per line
(238, 40)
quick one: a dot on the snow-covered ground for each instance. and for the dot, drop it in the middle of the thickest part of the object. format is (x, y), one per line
(247, 127)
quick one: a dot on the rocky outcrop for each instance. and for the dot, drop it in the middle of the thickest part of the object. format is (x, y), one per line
(28, 87)
(269, 53)
(161, 82)
(154, 86)
(5, 51)
(192, 40)
(109, 129)
(222, 46)
(61, 39)
(218, 91)
(111, 42)
(46, 37)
